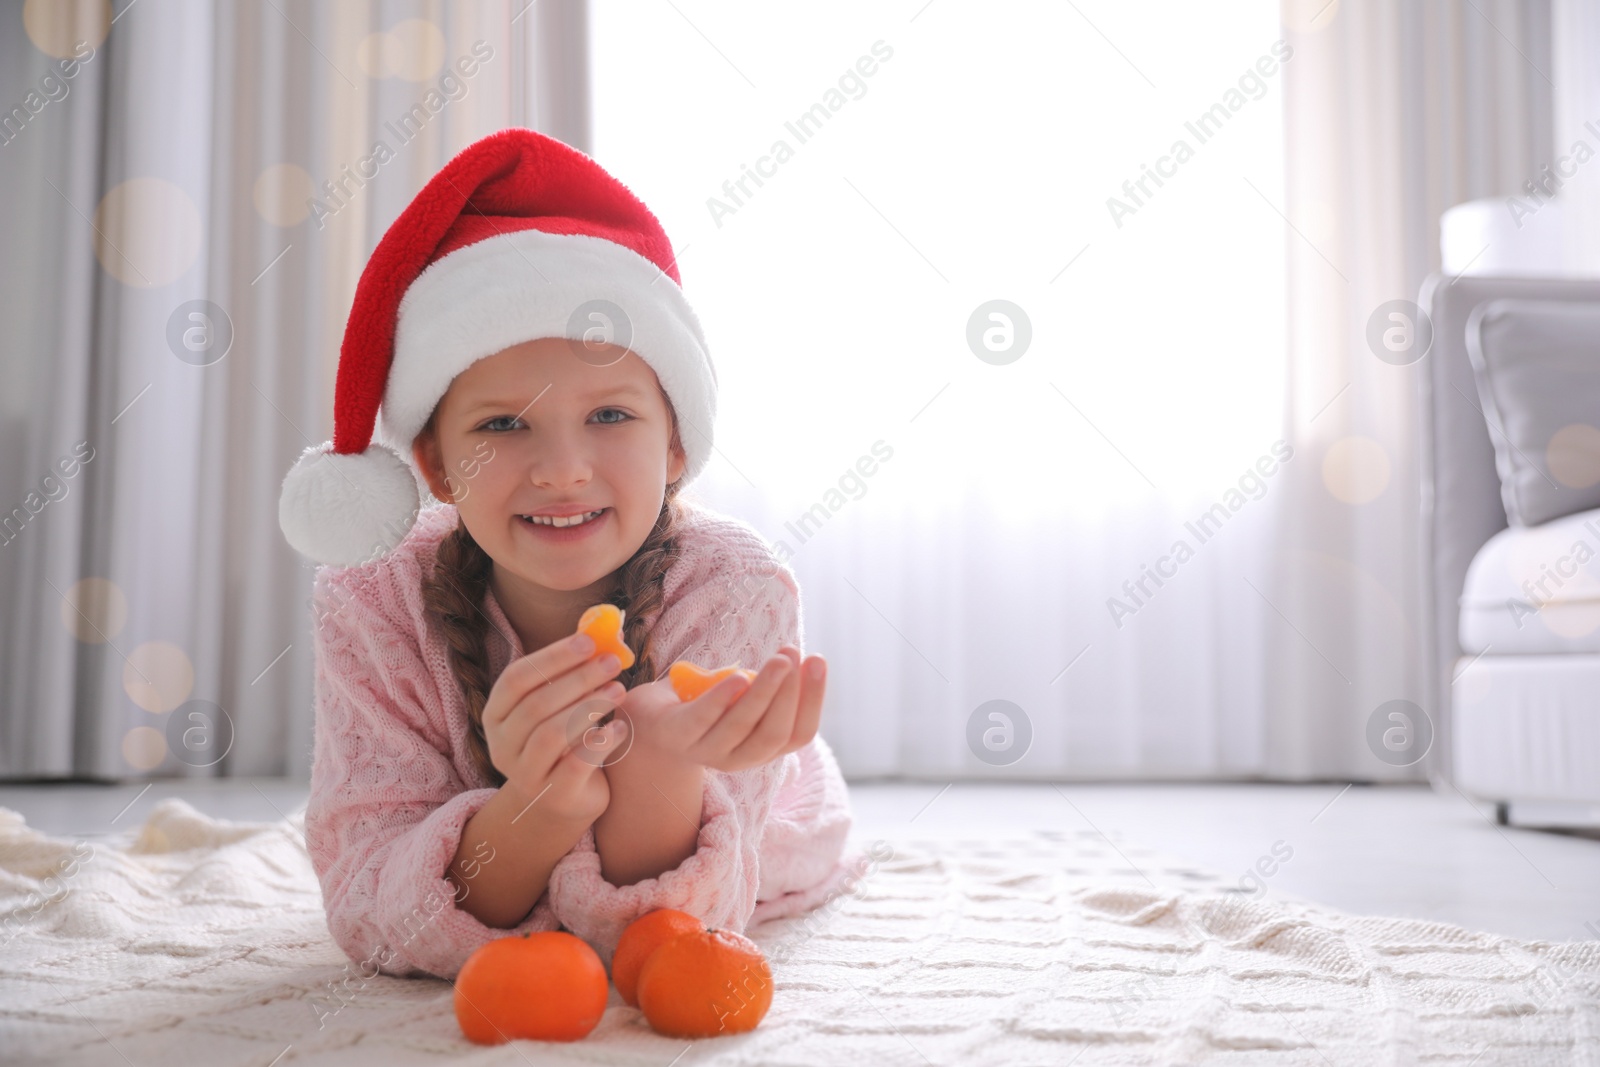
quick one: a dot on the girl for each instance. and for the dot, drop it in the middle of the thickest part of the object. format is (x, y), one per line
(478, 770)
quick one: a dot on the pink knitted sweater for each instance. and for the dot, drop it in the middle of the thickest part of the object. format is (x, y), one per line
(392, 782)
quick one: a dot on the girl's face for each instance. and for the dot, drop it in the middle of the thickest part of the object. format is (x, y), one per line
(553, 424)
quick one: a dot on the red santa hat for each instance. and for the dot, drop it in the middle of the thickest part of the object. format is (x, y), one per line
(518, 237)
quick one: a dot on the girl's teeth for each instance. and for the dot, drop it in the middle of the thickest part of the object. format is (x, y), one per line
(575, 520)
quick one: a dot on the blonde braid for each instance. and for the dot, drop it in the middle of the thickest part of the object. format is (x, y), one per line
(453, 597)
(640, 593)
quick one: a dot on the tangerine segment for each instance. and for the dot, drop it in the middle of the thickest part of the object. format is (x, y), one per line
(704, 984)
(603, 622)
(689, 680)
(640, 940)
(546, 986)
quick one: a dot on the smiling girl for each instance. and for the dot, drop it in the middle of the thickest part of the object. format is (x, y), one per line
(478, 771)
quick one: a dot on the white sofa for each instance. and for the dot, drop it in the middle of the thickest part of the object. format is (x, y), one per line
(1516, 690)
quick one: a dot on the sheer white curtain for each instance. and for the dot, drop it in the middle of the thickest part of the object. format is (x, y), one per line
(849, 186)
(1395, 113)
(189, 204)
(1575, 71)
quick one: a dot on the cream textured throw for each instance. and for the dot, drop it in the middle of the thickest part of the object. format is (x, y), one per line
(194, 940)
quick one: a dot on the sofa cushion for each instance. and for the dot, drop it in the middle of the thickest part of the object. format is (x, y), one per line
(1535, 589)
(1537, 365)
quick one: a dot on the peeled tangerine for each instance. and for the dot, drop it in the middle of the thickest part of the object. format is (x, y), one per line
(689, 681)
(603, 622)
(546, 986)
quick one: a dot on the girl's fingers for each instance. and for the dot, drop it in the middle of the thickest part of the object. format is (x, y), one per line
(601, 746)
(809, 715)
(776, 726)
(695, 719)
(590, 682)
(574, 765)
(584, 682)
(531, 672)
(532, 718)
(730, 731)
(578, 733)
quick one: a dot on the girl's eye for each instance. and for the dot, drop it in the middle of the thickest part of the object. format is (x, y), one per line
(490, 425)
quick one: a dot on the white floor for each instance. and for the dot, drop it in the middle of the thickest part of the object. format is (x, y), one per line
(1377, 850)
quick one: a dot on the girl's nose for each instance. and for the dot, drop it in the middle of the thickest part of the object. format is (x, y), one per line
(557, 465)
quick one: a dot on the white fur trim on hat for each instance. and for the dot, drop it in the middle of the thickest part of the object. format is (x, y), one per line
(516, 287)
(347, 509)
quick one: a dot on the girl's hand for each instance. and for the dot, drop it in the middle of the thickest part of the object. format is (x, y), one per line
(540, 721)
(735, 724)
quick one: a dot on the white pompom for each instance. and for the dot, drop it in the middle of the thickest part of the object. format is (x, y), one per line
(345, 509)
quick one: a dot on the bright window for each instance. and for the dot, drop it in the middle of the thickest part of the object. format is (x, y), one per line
(975, 162)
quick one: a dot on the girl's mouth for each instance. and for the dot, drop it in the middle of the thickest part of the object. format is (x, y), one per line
(546, 531)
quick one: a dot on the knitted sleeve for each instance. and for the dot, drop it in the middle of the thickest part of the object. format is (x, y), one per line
(736, 616)
(386, 808)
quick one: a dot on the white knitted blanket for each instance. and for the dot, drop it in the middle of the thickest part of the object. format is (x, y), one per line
(195, 940)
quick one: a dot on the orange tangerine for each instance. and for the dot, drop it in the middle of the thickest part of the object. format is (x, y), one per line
(705, 983)
(640, 939)
(689, 680)
(546, 986)
(603, 622)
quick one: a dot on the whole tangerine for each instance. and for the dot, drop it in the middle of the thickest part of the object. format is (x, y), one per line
(639, 941)
(705, 983)
(544, 986)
